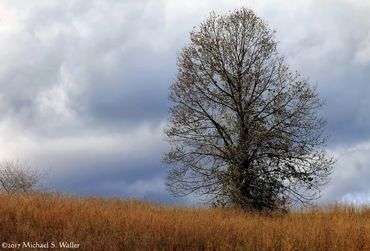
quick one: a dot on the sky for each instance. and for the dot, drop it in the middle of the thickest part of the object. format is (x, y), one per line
(84, 86)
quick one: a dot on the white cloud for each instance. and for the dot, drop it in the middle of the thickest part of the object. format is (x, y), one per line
(350, 179)
(137, 143)
(363, 53)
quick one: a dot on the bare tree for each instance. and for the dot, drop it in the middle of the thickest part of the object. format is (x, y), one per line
(243, 127)
(16, 176)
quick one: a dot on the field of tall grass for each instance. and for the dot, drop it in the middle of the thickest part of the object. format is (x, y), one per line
(112, 224)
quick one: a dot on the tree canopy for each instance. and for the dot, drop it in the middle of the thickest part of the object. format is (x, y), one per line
(244, 128)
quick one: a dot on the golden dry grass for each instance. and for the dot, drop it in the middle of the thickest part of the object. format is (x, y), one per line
(113, 224)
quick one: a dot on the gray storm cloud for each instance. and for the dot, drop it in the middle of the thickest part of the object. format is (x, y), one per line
(84, 86)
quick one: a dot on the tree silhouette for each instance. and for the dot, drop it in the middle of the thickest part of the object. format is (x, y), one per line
(244, 129)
